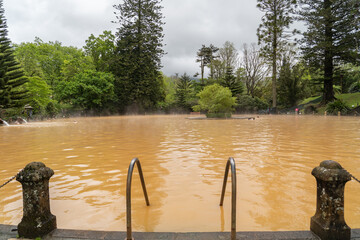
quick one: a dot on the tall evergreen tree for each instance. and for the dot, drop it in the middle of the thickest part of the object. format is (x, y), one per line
(290, 83)
(139, 51)
(272, 32)
(233, 83)
(11, 74)
(183, 90)
(331, 37)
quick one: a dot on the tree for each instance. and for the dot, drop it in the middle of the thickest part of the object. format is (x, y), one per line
(205, 56)
(215, 99)
(138, 54)
(229, 55)
(255, 69)
(183, 91)
(272, 32)
(101, 49)
(290, 85)
(331, 36)
(232, 82)
(51, 61)
(39, 93)
(12, 93)
(89, 90)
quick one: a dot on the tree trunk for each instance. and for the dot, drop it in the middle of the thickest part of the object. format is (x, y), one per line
(328, 95)
(274, 103)
(274, 58)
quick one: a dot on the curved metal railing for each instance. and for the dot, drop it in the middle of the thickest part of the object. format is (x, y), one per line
(128, 194)
(230, 162)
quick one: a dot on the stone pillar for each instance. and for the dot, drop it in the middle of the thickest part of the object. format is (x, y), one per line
(37, 219)
(328, 222)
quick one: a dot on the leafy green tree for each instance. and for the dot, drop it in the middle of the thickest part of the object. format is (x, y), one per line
(272, 32)
(89, 90)
(183, 92)
(215, 99)
(12, 78)
(51, 61)
(138, 54)
(331, 37)
(101, 49)
(232, 82)
(39, 93)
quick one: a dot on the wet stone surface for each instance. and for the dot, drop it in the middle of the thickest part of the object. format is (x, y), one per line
(37, 219)
(328, 221)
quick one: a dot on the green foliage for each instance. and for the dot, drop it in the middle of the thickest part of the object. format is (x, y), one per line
(247, 103)
(184, 92)
(331, 36)
(11, 75)
(39, 93)
(355, 87)
(272, 33)
(218, 115)
(337, 106)
(51, 61)
(215, 99)
(102, 50)
(233, 83)
(290, 84)
(138, 53)
(205, 56)
(90, 90)
(52, 109)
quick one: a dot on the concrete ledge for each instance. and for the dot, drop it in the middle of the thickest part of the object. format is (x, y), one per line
(63, 234)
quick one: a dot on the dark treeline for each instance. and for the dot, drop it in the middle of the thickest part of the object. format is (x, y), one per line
(119, 73)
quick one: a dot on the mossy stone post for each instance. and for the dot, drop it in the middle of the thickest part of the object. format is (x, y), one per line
(37, 219)
(328, 222)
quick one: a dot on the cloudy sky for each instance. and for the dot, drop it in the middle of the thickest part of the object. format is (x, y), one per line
(189, 24)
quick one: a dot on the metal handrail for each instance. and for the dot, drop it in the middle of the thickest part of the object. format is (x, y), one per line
(128, 195)
(231, 162)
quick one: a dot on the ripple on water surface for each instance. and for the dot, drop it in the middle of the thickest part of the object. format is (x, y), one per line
(183, 163)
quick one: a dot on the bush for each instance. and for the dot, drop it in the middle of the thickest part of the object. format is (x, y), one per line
(51, 109)
(215, 99)
(355, 87)
(248, 104)
(337, 106)
(218, 115)
(310, 109)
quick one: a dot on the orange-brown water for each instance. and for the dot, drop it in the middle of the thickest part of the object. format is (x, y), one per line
(183, 163)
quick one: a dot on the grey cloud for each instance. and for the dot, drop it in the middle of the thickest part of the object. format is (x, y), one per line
(189, 24)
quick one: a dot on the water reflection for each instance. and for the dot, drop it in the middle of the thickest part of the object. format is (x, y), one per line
(183, 163)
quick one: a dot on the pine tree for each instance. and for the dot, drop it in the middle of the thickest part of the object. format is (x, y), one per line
(183, 90)
(139, 51)
(230, 81)
(272, 32)
(11, 74)
(331, 37)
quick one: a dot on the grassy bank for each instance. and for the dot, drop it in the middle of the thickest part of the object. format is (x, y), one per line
(352, 100)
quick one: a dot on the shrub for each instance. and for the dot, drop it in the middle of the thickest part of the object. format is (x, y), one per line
(337, 106)
(310, 109)
(355, 87)
(51, 109)
(248, 104)
(215, 99)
